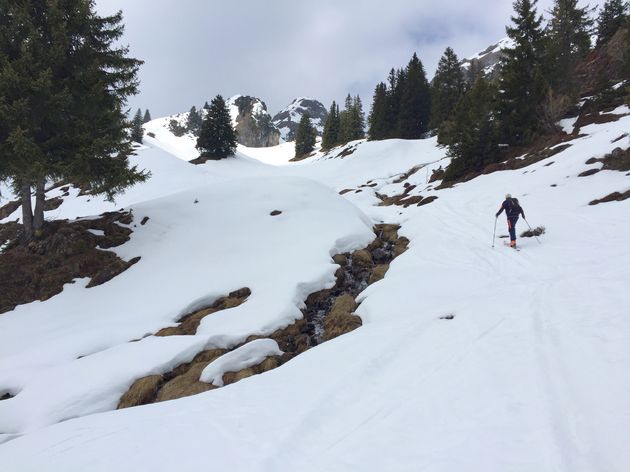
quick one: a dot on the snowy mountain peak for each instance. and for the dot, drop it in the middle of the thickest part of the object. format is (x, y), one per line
(488, 59)
(288, 119)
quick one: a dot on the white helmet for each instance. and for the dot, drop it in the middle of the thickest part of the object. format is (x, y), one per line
(507, 195)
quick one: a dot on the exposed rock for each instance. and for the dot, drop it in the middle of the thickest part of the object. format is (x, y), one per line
(252, 122)
(288, 119)
(275, 213)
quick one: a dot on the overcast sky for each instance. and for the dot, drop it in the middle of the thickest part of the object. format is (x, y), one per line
(278, 50)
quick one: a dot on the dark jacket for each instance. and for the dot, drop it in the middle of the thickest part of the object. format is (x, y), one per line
(512, 208)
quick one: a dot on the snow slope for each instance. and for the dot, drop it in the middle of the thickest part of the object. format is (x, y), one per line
(529, 374)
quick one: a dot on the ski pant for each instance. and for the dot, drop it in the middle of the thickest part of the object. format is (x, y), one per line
(512, 227)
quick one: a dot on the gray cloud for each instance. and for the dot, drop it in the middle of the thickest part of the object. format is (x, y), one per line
(280, 49)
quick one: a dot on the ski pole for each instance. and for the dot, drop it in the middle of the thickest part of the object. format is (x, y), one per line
(495, 231)
(530, 228)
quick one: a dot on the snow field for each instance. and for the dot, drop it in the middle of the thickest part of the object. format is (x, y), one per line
(529, 374)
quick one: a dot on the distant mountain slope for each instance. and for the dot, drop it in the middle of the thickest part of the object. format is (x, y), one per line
(288, 119)
(488, 59)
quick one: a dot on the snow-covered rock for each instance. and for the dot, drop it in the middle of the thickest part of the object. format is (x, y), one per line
(487, 60)
(252, 122)
(288, 119)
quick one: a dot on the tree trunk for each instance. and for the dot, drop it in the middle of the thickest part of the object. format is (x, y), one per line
(27, 212)
(38, 214)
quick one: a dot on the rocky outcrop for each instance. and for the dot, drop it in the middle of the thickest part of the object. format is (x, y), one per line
(487, 61)
(252, 122)
(288, 119)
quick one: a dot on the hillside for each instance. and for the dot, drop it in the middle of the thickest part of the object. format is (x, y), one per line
(463, 353)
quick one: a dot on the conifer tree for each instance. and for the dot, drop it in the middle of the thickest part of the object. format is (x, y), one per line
(345, 121)
(378, 127)
(147, 116)
(217, 137)
(415, 104)
(64, 82)
(305, 137)
(472, 132)
(396, 82)
(610, 19)
(330, 137)
(522, 83)
(447, 88)
(568, 33)
(357, 119)
(194, 120)
(137, 132)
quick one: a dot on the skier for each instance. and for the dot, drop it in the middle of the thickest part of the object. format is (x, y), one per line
(512, 211)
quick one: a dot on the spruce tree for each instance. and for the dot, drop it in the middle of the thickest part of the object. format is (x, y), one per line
(396, 85)
(415, 105)
(378, 126)
(472, 131)
(568, 34)
(345, 121)
(357, 119)
(217, 137)
(194, 120)
(64, 82)
(610, 19)
(137, 132)
(147, 116)
(330, 137)
(522, 82)
(305, 137)
(447, 88)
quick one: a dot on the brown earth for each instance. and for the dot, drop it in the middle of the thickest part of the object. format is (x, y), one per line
(189, 323)
(65, 251)
(613, 197)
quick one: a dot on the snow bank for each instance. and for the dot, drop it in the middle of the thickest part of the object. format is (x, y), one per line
(245, 356)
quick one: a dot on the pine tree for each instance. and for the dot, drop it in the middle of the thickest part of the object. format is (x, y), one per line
(472, 132)
(396, 82)
(357, 119)
(610, 19)
(330, 137)
(137, 133)
(305, 137)
(568, 33)
(378, 114)
(147, 116)
(345, 121)
(447, 88)
(522, 80)
(217, 138)
(63, 87)
(415, 105)
(194, 120)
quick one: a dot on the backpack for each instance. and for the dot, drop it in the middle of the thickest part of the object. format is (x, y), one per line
(513, 208)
